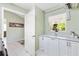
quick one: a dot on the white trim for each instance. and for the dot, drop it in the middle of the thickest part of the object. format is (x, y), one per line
(16, 12)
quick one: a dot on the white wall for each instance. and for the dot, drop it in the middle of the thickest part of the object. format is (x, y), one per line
(14, 33)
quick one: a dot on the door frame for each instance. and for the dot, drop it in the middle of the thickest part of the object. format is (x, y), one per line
(13, 11)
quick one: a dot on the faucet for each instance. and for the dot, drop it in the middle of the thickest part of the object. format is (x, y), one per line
(74, 34)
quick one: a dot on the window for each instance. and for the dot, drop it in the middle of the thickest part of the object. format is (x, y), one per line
(57, 22)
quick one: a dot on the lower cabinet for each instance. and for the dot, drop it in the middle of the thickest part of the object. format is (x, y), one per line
(43, 44)
(63, 50)
(53, 47)
(68, 48)
(58, 47)
(49, 46)
(77, 45)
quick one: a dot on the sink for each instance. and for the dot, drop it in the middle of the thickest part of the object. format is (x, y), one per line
(61, 35)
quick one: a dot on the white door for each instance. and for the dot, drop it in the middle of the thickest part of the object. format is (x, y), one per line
(53, 47)
(30, 32)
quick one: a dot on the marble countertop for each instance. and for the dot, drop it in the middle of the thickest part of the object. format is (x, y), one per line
(69, 38)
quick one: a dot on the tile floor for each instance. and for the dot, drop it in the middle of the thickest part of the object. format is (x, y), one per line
(16, 49)
(41, 53)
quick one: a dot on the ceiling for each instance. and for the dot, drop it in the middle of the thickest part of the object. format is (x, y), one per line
(42, 6)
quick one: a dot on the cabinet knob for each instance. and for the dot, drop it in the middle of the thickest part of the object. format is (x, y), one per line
(69, 44)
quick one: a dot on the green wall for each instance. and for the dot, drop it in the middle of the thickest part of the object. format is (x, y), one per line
(39, 25)
(73, 24)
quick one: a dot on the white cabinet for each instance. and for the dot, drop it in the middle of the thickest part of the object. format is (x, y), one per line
(63, 48)
(59, 47)
(49, 45)
(43, 45)
(53, 47)
(68, 48)
(46, 44)
(75, 48)
(77, 45)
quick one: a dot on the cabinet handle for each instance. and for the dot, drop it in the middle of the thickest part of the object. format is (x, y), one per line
(67, 43)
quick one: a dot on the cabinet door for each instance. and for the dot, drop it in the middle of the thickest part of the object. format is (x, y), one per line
(68, 48)
(49, 45)
(63, 50)
(77, 48)
(72, 49)
(53, 47)
(41, 43)
(45, 44)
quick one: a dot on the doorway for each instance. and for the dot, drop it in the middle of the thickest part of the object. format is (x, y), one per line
(13, 33)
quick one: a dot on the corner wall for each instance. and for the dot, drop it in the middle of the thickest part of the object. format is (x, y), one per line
(39, 25)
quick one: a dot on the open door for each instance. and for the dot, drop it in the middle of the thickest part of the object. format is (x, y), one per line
(30, 32)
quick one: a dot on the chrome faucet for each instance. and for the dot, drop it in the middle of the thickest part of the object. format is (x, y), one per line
(74, 34)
